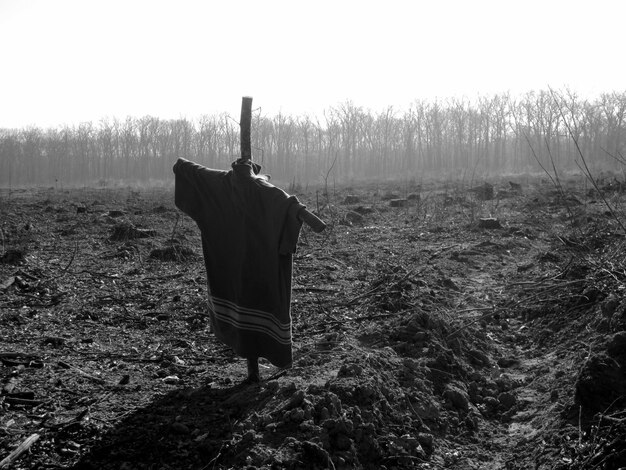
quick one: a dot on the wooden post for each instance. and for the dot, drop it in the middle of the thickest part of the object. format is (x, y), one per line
(245, 123)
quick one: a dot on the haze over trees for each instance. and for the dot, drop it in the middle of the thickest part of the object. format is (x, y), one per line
(497, 134)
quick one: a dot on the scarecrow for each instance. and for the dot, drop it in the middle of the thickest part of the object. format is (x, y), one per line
(249, 230)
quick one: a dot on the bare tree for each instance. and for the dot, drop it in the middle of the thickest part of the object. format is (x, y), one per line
(491, 134)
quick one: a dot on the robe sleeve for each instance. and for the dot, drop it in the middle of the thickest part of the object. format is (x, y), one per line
(291, 228)
(191, 182)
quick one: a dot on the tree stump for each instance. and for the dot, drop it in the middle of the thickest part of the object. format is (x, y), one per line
(398, 202)
(489, 223)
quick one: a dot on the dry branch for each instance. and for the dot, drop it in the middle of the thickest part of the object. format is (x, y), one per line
(93, 378)
(23, 401)
(585, 169)
(23, 447)
(313, 221)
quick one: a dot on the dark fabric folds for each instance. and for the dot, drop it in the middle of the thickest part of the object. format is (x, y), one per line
(249, 233)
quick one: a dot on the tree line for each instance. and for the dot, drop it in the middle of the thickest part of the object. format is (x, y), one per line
(488, 135)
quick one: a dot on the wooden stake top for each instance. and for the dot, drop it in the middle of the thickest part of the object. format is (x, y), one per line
(245, 123)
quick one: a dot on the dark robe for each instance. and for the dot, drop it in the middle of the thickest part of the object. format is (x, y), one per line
(249, 233)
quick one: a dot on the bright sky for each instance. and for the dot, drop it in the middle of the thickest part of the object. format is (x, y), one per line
(68, 61)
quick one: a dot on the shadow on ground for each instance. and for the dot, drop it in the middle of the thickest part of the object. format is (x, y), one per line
(185, 429)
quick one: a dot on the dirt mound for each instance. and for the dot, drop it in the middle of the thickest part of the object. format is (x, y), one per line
(600, 384)
(353, 420)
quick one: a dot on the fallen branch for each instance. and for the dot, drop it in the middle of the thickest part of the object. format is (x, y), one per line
(314, 289)
(23, 401)
(14, 355)
(23, 447)
(13, 359)
(93, 378)
(64, 270)
(66, 424)
(360, 318)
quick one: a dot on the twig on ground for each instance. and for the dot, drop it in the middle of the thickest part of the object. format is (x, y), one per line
(19, 450)
(67, 266)
(98, 380)
(23, 401)
(66, 424)
(175, 226)
(510, 305)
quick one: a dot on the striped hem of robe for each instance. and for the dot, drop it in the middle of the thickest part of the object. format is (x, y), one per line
(251, 320)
